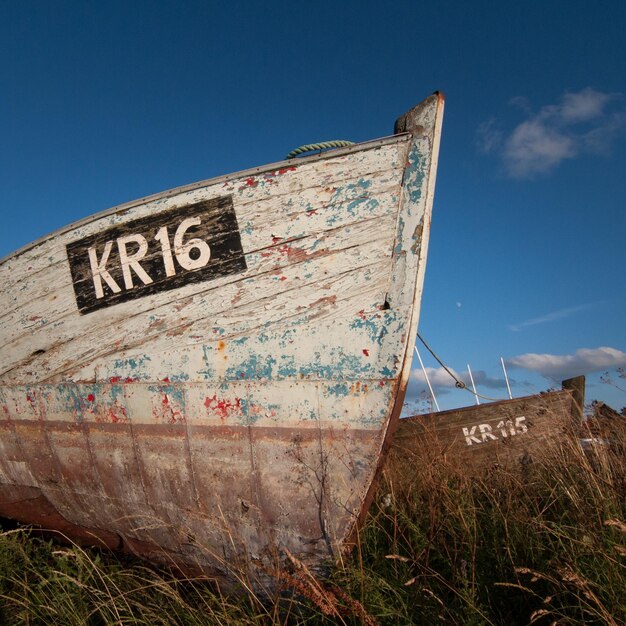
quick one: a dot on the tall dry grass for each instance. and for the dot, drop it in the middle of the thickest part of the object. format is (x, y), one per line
(539, 542)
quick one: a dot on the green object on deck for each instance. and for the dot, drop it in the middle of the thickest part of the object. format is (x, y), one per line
(324, 145)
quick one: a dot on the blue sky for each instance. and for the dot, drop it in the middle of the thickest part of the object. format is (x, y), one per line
(101, 103)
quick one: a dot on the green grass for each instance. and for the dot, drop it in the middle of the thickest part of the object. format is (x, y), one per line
(541, 543)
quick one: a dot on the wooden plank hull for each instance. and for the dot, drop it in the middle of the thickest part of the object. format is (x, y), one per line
(211, 373)
(478, 437)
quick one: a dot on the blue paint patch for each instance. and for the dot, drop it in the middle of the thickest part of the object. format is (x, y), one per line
(287, 338)
(352, 366)
(332, 218)
(355, 194)
(287, 367)
(207, 357)
(134, 364)
(399, 236)
(179, 378)
(117, 392)
(369, 204)
(414, 174)
(317, 243)
(253, 368)
(173, 392)
(340, 390)
(74, 402)
(375, 326)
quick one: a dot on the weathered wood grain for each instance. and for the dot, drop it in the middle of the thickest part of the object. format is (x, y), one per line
(479, 437)
(220, 415)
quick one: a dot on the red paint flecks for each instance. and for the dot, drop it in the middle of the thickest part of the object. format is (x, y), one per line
(114, 414)
(366, 352)
(117, 413)
(275, 239)
(283, 278)
(223, 408)
(91, 397)
(118, 379)
(361, 314)
(312, 212)
(251, 182)
(295, 255)
(165, 380)
(382, 383)
(168, 412)
(284, 170)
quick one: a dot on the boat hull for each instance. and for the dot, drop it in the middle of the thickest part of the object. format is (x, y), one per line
(479, 437)
(210, 374)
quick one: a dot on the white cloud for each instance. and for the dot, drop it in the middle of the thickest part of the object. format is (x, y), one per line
(437, 376)
(534, 147)
(584, 105)
(489, 136)
(581, 122)
(552, 316)
(583, 361)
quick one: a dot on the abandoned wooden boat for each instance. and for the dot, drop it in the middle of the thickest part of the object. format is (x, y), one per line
(209, 375)
(497, 433)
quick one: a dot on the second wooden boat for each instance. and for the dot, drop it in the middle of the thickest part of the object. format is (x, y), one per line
(479, 437)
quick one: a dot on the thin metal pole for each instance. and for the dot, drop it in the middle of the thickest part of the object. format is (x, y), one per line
(432, 393)
(473, 385)
(506, 378)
